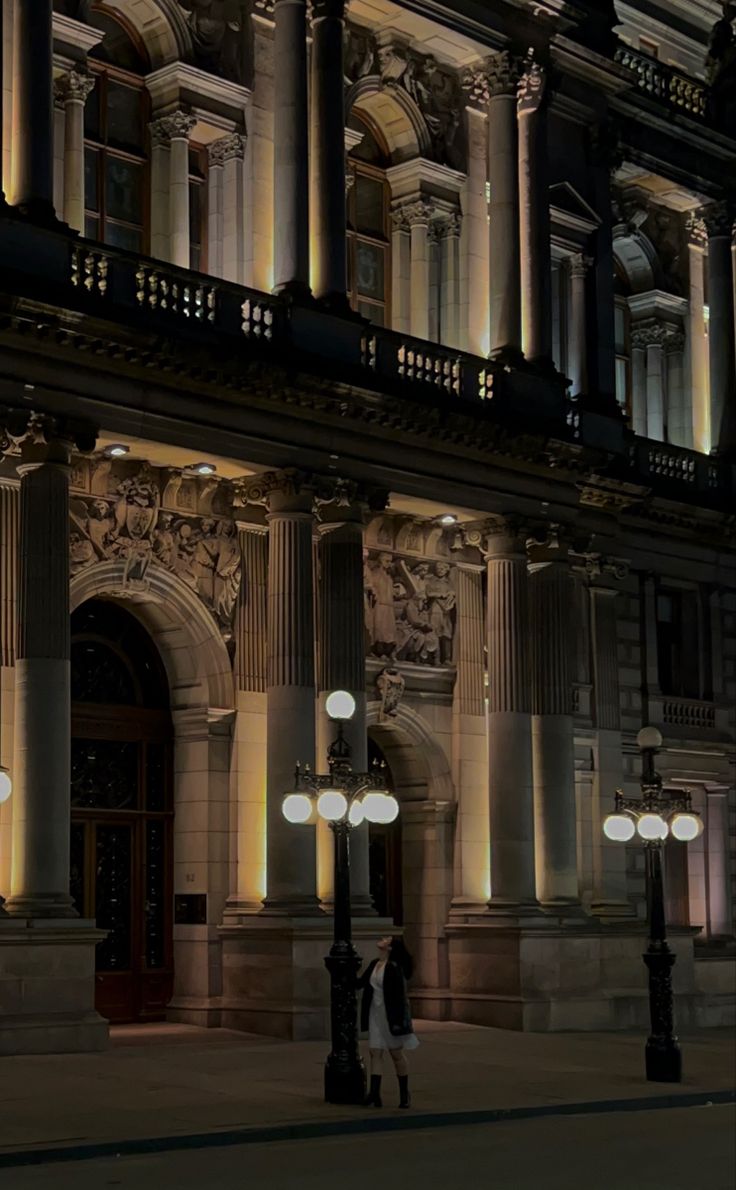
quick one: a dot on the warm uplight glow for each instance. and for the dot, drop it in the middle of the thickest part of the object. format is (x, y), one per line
(357, 814)
(6, 785)
(297, 807)
(619, 827)
(332, 805)
(380, 807)
(340, 705)
(649, 737)
(686, 827)
(116, 450)
(652, 826)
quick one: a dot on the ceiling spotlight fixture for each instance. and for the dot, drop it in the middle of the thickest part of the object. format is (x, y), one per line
(205, 468)
(448, 519)
(116, 450)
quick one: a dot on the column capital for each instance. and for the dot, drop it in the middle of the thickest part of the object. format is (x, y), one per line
(227, 148)
(718, 218)
(504, 536)
(418, 212)
(338, 500)
(548, 544)
(73, 87)
(648, 333)
(696, 231)
(176, 126)
(579, 263)
(601, 571)
(41, 438)
(532, 86)
(449, 225)
(290, 490)
(497, 75)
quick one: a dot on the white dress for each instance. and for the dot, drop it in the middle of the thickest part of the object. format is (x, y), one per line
(380, 1036)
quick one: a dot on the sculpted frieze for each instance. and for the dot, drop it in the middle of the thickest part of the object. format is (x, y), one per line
(410, 609)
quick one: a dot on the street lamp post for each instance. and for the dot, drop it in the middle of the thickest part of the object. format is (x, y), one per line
(653, 816)
(344, 799)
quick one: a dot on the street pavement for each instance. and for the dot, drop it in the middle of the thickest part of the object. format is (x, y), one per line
(674, 1149)
(173, 1082)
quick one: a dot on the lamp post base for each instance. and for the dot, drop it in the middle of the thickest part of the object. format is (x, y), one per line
(662, 1055)
(344, 1081)
(663, 1059)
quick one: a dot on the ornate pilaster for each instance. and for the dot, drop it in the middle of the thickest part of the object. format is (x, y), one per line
(449, 242)
(510, 789)
(291, 154)
(553, 751)
(534, 218)
(719, 220)
(419, 215)
(251, 619)
(290, 681)
(41, 798)
(227, 229)
(579, 266)
(328, 152)
(697, 245)
(400, 269)
(170, 189)
(9, 525)
(72, 91)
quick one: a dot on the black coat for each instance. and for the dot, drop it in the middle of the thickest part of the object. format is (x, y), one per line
(395, 998)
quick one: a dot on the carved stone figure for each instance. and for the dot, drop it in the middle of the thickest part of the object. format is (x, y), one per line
(390, 686)
(217, 31)
(227, 573)
(441, 600)
(409, 613)
(382, 619)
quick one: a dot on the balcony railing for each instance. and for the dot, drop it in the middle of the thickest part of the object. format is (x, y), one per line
(220, 320)
(665, 83)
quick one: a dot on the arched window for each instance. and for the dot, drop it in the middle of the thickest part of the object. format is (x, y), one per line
(115, 119)
(369, 280)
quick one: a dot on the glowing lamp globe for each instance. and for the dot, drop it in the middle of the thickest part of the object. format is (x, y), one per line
(649, 737)
(357, 814)
(686, 827)
(6, 785)
(297, 808)
(340, 705)
(652, 827)
(619, 827)
(332, 805)
(380, 807)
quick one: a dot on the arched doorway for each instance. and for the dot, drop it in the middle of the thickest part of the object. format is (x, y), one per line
(384, 850)
(122, 808)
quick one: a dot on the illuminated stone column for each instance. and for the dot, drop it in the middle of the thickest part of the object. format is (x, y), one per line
(39, 884)
(400, 271)
(233, 208)
(510, 787)
(551, 591)
(328, 152)
(172, 133)
(290, 684)
(342, 661)
(534, 218)
(697, 244)
(639, 339)
(419, 215)
(502, 74)
(450, 280)
(677, 424)
(474, 241)
(32, 187)
(291, 148)
(215, 175)
(719, 223)
(72, 90)
(577, 339)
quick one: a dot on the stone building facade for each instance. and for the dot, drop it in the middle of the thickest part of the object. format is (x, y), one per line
(348, 347)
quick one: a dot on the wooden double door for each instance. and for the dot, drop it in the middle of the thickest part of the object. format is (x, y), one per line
(122, 816)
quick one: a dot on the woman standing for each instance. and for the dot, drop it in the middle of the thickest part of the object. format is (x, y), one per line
(386, 1015)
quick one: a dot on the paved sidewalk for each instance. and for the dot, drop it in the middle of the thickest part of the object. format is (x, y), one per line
(173, 1081)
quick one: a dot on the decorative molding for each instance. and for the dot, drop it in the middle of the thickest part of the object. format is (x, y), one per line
(73, 87)
(390, 686)
(696, 231)
(176, 126)
(579, 264)
(718, 219)
(227, 148)
(533, 83)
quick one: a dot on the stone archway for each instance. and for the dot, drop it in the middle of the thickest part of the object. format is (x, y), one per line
(424, 787)
(202, 694)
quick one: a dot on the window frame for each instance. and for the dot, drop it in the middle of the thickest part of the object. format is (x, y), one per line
(104, 73)
(201, 181)
(377, 173)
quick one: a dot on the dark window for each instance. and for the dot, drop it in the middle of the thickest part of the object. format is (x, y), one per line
(197, 208)
(115, 116)
(368, 225)
(678, 643)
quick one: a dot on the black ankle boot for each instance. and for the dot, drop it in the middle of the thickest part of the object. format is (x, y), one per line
(404, 1100)
(373, 1098)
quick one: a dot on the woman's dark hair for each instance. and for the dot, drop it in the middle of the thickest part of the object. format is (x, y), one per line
(400, 955)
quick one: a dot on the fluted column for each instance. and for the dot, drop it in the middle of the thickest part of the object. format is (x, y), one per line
(290, 685)
(697, 244)
(534, 217)
(639, 336)
(419, 215)
(41, 798)
(73, 90)
(510, 790)
(503, 175)
(33, 110)
(342, 667)
(291, 152)
(677, 422)
(215, 199)
(553, 749)
(719, 224)
(251, 655)
(450, 280)
(328, 152)
(400, 270)
(577, 339)
(172, 132)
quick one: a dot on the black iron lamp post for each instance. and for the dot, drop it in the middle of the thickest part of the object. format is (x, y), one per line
(653, 816)
(344, 799)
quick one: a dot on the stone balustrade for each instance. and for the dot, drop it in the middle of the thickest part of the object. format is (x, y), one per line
(663, 82)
